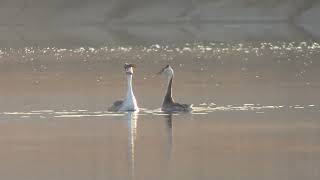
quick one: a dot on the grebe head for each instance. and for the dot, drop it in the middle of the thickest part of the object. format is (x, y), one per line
(129, 68)
(167, 70)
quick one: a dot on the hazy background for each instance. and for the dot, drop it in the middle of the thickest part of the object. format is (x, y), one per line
(251, 69)
(99, 22)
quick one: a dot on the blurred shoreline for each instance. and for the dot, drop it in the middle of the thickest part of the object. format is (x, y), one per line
(72, 36)
(97, 23)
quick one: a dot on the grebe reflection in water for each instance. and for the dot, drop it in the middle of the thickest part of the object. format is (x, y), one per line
(132, 118)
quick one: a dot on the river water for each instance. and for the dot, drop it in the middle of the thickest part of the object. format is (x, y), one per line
(256, 112)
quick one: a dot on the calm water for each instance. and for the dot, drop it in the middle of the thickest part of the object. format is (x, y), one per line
(256, 112)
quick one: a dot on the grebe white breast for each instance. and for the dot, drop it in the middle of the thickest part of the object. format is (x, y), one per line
(169, 104)
(130, 102)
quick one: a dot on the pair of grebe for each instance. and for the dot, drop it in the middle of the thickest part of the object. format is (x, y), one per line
(130, 102)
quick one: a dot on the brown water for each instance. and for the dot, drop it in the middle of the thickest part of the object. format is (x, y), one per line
(256, 113)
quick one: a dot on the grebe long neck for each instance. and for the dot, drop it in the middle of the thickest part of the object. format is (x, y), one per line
(168, 98)
(130, 103)
(129, 85)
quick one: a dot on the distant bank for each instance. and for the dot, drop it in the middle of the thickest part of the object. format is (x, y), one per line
(95, 22)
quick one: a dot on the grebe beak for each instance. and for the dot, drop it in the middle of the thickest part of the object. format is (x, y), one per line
(163, 70)
(160, 72)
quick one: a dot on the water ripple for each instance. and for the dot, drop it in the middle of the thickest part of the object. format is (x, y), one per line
(202, 109)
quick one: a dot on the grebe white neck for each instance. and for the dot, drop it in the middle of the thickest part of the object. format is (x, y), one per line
(130, 102)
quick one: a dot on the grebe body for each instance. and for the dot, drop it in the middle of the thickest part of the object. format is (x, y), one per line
(169, 105)
(130, 102)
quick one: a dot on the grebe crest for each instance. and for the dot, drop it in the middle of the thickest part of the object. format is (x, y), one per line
(129, 68)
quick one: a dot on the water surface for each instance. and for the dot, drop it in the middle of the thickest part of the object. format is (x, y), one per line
(255, 117)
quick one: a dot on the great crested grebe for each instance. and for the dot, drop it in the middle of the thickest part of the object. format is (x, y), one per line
(168, 103)
(130, 102)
